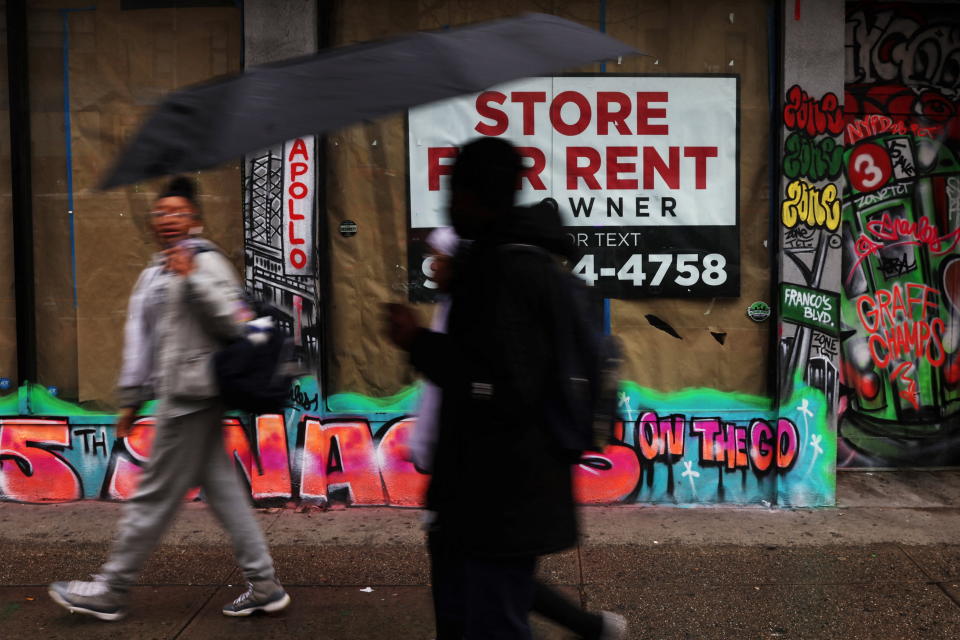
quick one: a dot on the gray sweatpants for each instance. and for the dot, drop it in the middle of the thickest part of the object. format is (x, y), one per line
(188, 451)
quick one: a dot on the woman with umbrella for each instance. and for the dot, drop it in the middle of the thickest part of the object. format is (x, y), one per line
(186, 305)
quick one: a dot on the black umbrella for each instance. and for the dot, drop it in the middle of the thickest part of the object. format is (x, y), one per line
(208, 124)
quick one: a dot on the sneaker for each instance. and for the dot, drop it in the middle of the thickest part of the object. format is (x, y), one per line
(264, 596)
(614, 626)
(93, 598)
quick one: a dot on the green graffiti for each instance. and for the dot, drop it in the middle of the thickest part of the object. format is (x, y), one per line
(403, 402)
(815, 160)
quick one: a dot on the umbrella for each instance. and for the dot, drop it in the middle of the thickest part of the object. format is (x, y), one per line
(211, 123)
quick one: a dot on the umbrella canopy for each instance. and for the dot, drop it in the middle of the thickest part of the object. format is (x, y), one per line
(208, 124)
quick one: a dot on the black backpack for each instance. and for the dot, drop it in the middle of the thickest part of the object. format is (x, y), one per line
(581, 409)
(584, 410)
(255, 373)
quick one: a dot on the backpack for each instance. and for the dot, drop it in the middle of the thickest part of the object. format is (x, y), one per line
(255, 372)
(581, 408)
(584, 411)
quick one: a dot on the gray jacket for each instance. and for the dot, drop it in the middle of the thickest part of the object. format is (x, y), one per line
(174, 326)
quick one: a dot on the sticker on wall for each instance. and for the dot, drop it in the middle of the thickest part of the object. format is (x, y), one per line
(348, 228)
(758, 311)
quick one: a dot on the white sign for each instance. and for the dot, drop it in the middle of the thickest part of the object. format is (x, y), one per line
(611, 150)
(298, 200)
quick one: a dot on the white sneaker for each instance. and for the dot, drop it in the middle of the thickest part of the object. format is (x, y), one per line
(92, 598)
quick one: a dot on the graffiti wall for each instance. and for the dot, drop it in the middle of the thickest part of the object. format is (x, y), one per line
(667, 449)
(900, 309)
(810, 208)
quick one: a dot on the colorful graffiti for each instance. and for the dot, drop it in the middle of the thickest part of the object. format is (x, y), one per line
(810, 213)
(815, 206)
(741, 451)
(901, 229)
(816, 117)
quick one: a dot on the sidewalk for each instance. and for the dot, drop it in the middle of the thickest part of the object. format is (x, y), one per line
(884, 565)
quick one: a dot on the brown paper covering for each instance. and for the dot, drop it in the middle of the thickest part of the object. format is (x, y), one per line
(121, 63)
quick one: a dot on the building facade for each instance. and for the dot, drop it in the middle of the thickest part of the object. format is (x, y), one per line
(769, 199)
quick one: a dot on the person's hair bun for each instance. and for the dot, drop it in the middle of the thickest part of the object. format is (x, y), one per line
(181, 186)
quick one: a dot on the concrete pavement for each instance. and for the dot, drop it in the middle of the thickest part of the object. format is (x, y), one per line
(885, 564)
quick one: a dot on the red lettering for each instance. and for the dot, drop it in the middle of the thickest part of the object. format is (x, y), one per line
(532, 173)
(876, 344)
(586, 172)
(299, 149)
(583, 117)
(668, 172)
(645, 113)
(615, 167)
(292, 236)
(606, 117)
(528, 99)
(700, 154)
(935, 352)
(298, 258)
(297, 190)
(484, 108)
(291, 213)
(435, 168)
(870, 320)
(298, 169)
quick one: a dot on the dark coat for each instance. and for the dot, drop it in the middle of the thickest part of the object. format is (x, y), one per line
(501, 483)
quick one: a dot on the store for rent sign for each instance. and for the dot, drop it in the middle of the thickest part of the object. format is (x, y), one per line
(299, 193)
(644, 169)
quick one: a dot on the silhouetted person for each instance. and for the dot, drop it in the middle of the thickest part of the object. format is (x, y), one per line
(501, 484)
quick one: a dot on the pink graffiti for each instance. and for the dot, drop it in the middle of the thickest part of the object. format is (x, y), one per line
(737, 447)
(341, 459)
(606, 476)
(405, 485)
(660, 438)
(340, 455)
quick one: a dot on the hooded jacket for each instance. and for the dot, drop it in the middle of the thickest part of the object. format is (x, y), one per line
(501, 482)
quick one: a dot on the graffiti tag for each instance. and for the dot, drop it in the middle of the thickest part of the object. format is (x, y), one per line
(815, 206)
(815, 117)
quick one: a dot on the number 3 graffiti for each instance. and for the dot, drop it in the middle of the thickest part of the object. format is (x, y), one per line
(869, 167)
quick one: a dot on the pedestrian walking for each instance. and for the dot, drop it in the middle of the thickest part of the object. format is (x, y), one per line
(443, 243)
(185, 306)
(495, 367)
